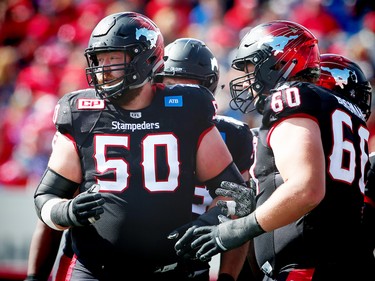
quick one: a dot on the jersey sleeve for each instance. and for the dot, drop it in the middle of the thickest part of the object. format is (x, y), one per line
(245, 159)
(199, 106)
(63, 115)
(208, 106)
(239, 140)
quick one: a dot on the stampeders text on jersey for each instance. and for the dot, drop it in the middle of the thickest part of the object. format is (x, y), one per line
(134, 126)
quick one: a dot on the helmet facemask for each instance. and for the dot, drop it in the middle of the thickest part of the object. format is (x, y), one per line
(102, 77)
(247, 91)
(244, 98)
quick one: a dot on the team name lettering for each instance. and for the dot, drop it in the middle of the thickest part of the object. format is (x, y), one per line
(134, 126)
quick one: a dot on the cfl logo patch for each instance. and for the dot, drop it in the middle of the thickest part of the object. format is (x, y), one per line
(91, 104)
(135, 115)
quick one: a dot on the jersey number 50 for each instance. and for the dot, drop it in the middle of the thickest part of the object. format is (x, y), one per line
(149, 163)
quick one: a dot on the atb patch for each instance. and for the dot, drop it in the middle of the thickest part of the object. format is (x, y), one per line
(173, 101)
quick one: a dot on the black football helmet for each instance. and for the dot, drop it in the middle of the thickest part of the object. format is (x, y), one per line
(346, 78)
(279, 50)
(135, 35)
(190, 58)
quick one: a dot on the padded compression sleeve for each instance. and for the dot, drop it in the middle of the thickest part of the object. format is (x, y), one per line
(230, 173)
(52, 186)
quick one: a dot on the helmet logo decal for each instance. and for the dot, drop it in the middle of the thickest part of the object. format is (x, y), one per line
(214, 64)
(341, 76)
(150, 35)
(277, 43)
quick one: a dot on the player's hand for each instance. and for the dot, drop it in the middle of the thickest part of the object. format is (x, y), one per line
(183, 246)
(203, 242)
(177, 233)
(208, 241)
(243, 202)
(86, 207)
(212, 217)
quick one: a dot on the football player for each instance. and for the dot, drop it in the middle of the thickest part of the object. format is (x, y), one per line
(190, 61)
(133, 150)
(346, 79)
(310, 165)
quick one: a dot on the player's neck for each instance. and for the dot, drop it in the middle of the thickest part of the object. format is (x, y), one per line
(137, 99)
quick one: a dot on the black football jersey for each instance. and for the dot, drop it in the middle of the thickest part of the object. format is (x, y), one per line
(144, 161)
(321, 235)
(239, 140)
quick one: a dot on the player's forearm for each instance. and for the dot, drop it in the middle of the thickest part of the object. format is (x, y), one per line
(43, 249)
(231, 262)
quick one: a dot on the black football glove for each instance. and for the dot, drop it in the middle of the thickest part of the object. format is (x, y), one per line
(243, 202)
(82, 210)
(212, 217)
(207, 241)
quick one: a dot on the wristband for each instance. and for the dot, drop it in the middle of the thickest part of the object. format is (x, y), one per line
(46, 213)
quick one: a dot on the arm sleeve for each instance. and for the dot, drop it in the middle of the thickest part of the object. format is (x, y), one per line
(230, 173)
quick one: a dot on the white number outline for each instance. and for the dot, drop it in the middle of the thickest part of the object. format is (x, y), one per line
(340, 120)
(149, 163)
(293, 99)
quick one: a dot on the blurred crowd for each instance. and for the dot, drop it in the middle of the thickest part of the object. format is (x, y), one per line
(42, 44)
